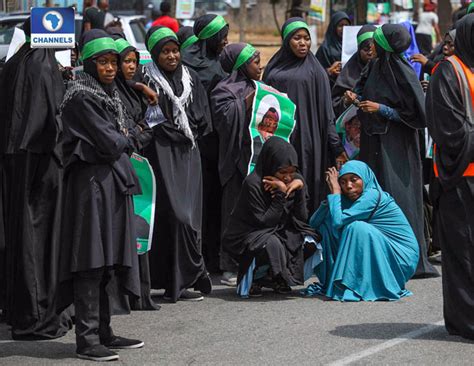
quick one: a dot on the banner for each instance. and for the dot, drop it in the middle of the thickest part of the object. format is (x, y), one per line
(273, 114)
(348, 127)
(52, 28)
(184, 9)
(317, 10)
(144, 203)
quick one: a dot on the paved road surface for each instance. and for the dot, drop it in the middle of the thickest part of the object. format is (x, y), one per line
(273, 330)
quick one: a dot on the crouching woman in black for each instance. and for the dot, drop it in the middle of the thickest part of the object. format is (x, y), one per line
(98, 231)
(267, 231)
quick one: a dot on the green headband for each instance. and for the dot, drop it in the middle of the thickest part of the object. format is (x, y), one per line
(244, 56)
(364, 37)
(158, 35)
(294, 26)
(122, 45)
(212, 28)
(379, 37)
(191, 40)
(470, 8)
(95, 46)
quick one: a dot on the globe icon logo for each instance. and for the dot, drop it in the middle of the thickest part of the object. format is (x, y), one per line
(52, 21)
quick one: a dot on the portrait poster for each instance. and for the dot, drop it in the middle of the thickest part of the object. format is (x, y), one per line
(144, 203)
(273, 114)
(348, 127)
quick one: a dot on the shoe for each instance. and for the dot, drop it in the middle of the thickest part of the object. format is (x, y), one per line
(280, 286)
(97, 353)
(186, 296)
(229, 279)
(255, 291)
(204, 284)
(123, 343)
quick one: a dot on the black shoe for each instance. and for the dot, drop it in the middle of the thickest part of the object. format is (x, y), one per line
(255, 291)
(204, 284)
(123, 343)
(186, 296)
(97, 353)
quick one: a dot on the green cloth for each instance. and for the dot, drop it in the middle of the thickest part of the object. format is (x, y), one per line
(294, 26)
(364, 36)
(212, 28)
(244, 56)
(122, 44)
(380, 39)
(98, 45)
(158, 35)
(190, 41)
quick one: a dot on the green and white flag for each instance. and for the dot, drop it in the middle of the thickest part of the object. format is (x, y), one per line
(144, 203)
(273, 114)
(348, 127)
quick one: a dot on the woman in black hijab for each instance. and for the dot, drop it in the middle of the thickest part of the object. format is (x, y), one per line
(231, 103)
(391, 113)
(135, 105)
(296, 71)
(330, 51)
(268, 225)
(203, 57)
(450, 120)
(31, 90)
(176, 261)
(98, 233)
(349, 75)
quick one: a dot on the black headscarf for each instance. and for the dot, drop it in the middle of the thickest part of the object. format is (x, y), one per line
(229, 113)
(447, 119)
(352, 69)
(393, 82)
(202, 56)
(464, 42)
(186, 37)
(306, 83)
(276, 154)
(174, 78)
(90, 66)
(331, 49)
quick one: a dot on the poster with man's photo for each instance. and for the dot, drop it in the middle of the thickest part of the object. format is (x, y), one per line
(348, 128)
(273, 114)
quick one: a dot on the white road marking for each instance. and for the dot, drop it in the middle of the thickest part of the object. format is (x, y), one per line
(388, 344)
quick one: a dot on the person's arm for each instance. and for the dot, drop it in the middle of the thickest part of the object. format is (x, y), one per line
(360, 210)
(383, 110)
(266, 217)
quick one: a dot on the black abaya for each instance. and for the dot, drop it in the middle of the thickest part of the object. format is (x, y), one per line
(314, 137)
(452, 132)
(392, 82)
(276, 225)
(31, 90)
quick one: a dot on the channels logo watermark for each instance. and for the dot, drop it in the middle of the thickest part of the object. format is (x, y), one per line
(52, 28)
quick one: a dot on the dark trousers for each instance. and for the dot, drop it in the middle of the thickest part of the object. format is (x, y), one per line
(91, 303)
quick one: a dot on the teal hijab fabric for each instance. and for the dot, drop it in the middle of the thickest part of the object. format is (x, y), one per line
(369, 248)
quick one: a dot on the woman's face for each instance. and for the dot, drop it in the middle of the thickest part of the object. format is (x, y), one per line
(351, 186)
(107, 66)
(448, 46)
(340, 27)
(300, 43)
(169, 57)
(286, 175)
(254, 69)
(220, 47)
(367, 53)
(129, 65)
(373, 50)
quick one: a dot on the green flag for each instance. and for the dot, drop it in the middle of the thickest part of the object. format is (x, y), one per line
(144, 203)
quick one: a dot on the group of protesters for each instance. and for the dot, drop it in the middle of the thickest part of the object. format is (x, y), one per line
(347, 208)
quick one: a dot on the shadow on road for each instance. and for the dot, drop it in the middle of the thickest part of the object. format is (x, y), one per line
(53, 351)
(386, 331)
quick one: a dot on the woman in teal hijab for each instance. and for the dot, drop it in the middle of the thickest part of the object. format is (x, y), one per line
(369, 248)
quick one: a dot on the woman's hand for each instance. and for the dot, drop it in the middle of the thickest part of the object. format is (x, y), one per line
(349, 97)
(273, 184)
(332, 179)
(294, 186)
(369, 107)
(335, 68)
(419, 58)
(150, 94)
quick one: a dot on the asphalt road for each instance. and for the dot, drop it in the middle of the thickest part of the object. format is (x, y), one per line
(273, 330)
